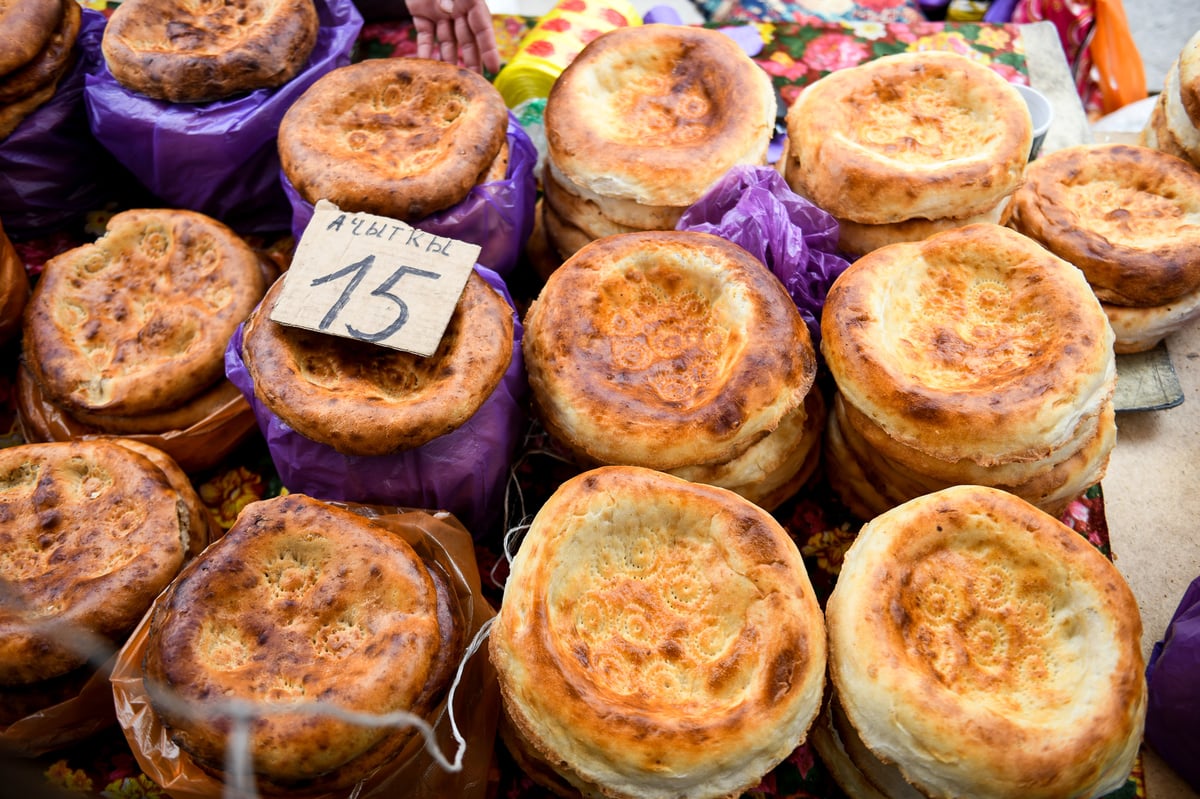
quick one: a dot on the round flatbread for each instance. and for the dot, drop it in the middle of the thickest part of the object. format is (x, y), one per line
(138, 321)
(658, 113)
(986, 649)
(976, 343)
(188, 52)
(300, 602)
(926, 134)
(1128, 216)
(90, 533)
(364, 399)
(49, 64)
(25, 27)
(665, 349)
(400, 137)
(658, 638)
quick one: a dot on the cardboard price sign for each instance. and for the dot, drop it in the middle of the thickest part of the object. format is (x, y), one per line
(374, 279)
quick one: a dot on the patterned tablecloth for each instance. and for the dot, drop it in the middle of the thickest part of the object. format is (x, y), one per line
(794, 55)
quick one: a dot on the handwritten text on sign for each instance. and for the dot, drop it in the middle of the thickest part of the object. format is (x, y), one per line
(374, 279)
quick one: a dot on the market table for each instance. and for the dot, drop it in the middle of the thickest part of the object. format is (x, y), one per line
(793, 55)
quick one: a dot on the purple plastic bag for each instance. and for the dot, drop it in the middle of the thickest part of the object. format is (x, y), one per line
(497, 216)
(753, 207)
(52, 170)
(464, 471)
(218, 158)
(1173, 682)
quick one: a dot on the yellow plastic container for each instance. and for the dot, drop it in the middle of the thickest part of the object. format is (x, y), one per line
(554, 42)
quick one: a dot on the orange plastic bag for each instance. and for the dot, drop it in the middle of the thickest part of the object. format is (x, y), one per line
(1116, 57)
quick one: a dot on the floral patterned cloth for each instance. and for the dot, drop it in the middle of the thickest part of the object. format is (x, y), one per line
(794, 55)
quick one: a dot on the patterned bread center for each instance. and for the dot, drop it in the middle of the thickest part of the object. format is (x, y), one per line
(662, 617)
(1131, 214)
(992, 633)
(207, 26)
(654, 100)
(402, 125)
(77, 525)
(966, 329)
(661, 340)
(920, 122)
(298, 587)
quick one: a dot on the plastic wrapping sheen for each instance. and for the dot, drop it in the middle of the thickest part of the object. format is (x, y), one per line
(753, 207)
(52, 170)
(221, 157)
(1173, 685)
(497, 216)
(414, 772)
(464, 471)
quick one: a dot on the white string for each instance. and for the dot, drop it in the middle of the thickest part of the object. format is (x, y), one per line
(239, 777)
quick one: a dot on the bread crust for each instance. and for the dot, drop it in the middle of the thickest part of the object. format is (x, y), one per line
(928, 134)
(1189, 77)
(50, 63)
(399, 137)
(15, 282)
(665, 349)
(658, 638)
(25, 27)
(975, 343)
(856, 238)
(187, 52)
(774, 467)
(137, 322)
(1141, 329)
(658, 113)
(1127, 215)
(364, 399)
(299, 602)
(988, 650)
(90, 533)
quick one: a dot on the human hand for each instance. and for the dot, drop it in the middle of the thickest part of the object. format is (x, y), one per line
(450, 30)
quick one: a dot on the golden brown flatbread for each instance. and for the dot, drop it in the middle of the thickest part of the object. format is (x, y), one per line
(49, 64)
(924, 134)
(364, 399)
(986, 649)
(1128, 216)
(658, 113)
(665, 349)
(300, 601)
(399, 137)
(658, 638)
(90, 533)
(188, 52)
(137, 322)
(976, 343)
(25, 27)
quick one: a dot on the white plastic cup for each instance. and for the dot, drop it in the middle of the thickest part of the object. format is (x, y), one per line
(1042, 114)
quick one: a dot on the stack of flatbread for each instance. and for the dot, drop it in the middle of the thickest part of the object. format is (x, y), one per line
(677, 351)
(399, 137)
(974, 356)
(908, 145)
(979, 647)
(1129, 217)
(91, 532)
(127, 335)
(1174, 123)
(658, 639)
(37, 47)
(641, 124)
(187, 52)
